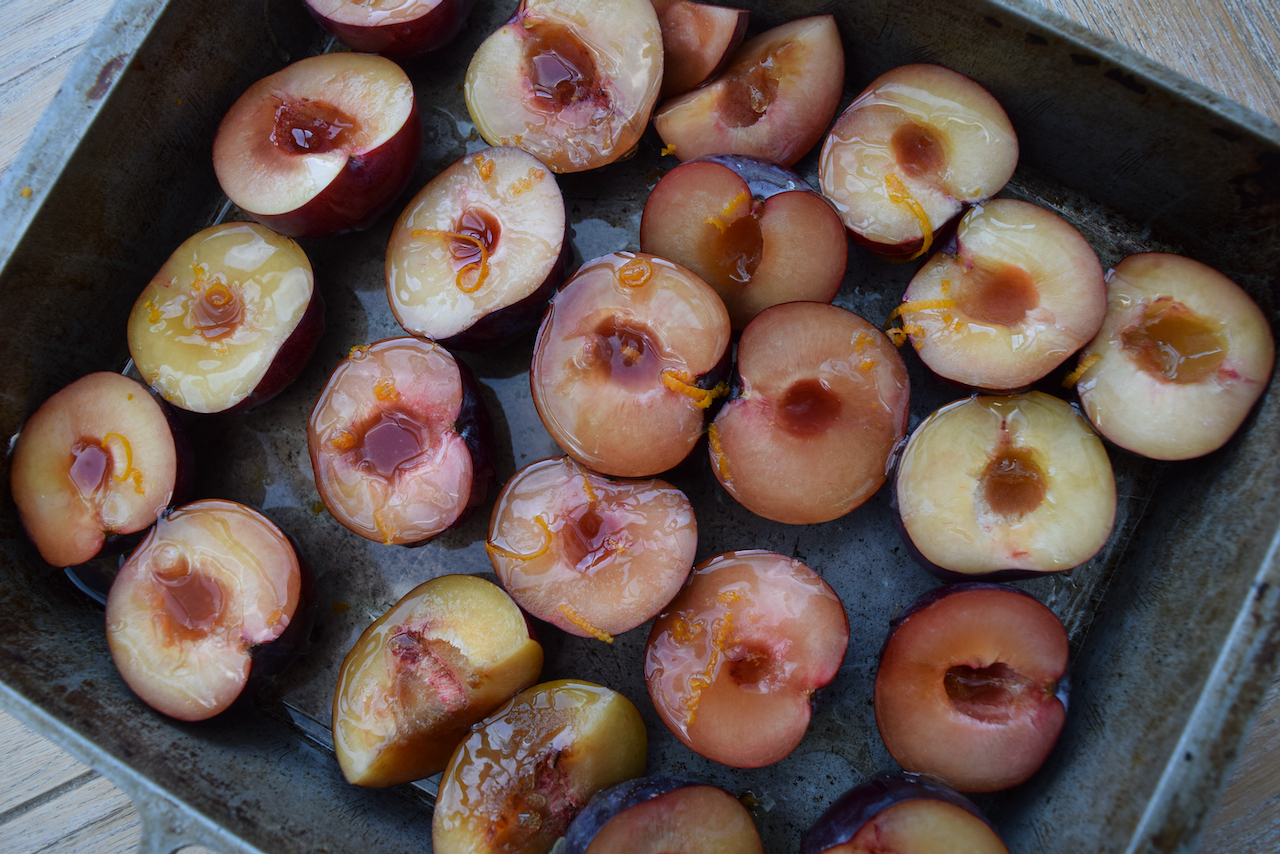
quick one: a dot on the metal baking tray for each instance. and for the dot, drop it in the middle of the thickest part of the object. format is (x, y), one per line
(1174, 626)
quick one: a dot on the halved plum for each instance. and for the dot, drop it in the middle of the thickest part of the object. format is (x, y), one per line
(475, 256)
(732, 663)
(215, 599)
(919, 144)
(590, 554)
(971, 687)
(697, 41)
(1004, 487)
(518, 781)
(400, 441)
(1019, 292)
(629, 357)
(902, 812)
(99, 458)
(754, 231)
(447, 654)
(399, 29)
(774, 100)
(663, 815)
(1183, 355)
(571, 81)
(820, 403)
(231, 318)
(321, 147)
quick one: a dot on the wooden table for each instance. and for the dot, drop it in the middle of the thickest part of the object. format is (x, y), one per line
(50, 802)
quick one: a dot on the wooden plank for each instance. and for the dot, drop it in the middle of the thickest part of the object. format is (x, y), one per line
(33, 766)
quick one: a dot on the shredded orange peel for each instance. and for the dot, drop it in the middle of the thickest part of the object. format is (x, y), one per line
(495, 549)
(721, 220)
(1086, 362)
(679, 381)
(583, 623)
(900, 195)
(718, 642)
(384, 389)
(899, 335)
(481, 268)
(129, 473)
(635, 273)
(587, 488)
(717, 454)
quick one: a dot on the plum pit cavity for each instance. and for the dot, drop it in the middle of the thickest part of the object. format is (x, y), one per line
(217, 309)
(808, 408)
(918, 151)
(307, 126)
(622, 351)
(740, 248)
(562, 70)
(1013, 484)
(749, 94)
(391, 443)
(426, 670)
(191, 602)
(1172, 341)
(1000, 295)
(991, 694)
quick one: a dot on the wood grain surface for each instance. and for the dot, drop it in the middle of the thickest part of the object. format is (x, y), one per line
(50, 802)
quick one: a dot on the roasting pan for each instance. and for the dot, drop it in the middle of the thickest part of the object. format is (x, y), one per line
(1174, 626)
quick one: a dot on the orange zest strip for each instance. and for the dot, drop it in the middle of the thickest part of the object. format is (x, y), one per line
(388, 533)
(493, 548)
(343, 440)
(919, 305)
(153, 313)
(900, 195)
(668, 149)
(384, 389)
(703, 397)
(581, 622)
(358, 351)
(484, 166)
(482, 267)
(129, 471)
(635, 273)
(586, 487)
(719, 220)
(1086, 362)
(720, 629)
(717, 453)
(535, 175)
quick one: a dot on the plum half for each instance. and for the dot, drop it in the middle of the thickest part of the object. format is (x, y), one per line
(447, 654)
(732, 663)
(1004, 487)
(913, 149)
(214, 600)
(400, 442)
(902, 812)
(475, 256)
(229, 320)
(697, 41)
(971, 686)
(1183, 355)
(820, 403)
(321, 147)
(520, 779)
(774, 100)
(630, 355)
(1019, 292)
(399, 29)
(99, 458)
(663, 815)
(571, 81)
(754, 231)
(590, 554)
